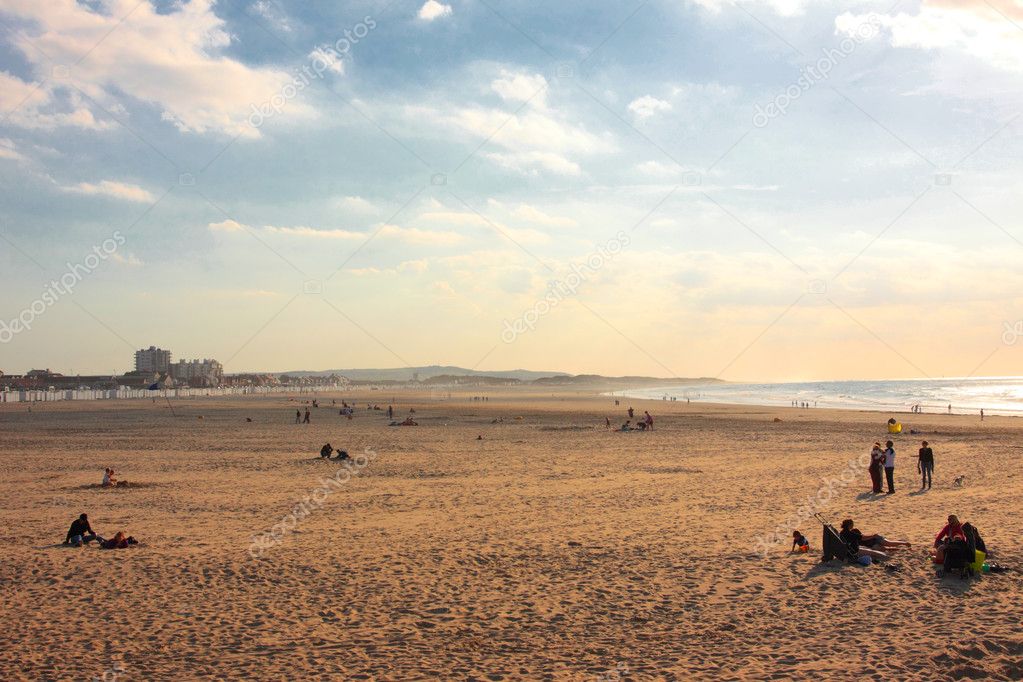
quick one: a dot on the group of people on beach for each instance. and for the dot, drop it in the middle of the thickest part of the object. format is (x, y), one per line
(81, 533)
(883, 460)
(327, 450)
(109, 481)
(646, 423)
(957, 546)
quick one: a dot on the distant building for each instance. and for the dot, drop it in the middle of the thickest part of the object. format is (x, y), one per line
(198, 373)
(152, 359)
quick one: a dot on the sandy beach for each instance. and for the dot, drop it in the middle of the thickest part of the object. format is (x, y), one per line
(551, 549)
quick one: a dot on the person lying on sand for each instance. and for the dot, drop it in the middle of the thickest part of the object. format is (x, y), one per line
(80, 532)
(878, 541)
(854, 539)
(119, 541)
(409, 421)
(342, 455)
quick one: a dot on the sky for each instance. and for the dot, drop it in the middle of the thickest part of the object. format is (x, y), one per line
(761, 190)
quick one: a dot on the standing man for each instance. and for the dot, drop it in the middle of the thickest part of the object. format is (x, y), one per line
(889, 466)
(649, 420)
(925, 466)
(306, 419)
(298, 416)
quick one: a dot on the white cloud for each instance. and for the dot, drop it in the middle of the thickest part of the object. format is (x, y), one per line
(535, 215)
(521, 87)
(658, 169)
(454, 217)
(529, 163)
(432, 9)
(114, 189)
(227, 226)
(8, 150)
(45, 105)
(129, 260)
(417, 266)
(172, 60)
(303, 231)
(328, 58)
(782, 7)
(413, 235)
(356, 205)
(646, 106)
(989, 31)
(532, 140)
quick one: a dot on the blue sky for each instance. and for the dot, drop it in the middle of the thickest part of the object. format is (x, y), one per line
(805, 189)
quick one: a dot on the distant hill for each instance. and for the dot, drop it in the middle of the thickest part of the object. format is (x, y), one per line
(403, 374)
(448, 375)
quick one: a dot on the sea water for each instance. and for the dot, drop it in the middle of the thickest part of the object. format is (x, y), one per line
(995, 395)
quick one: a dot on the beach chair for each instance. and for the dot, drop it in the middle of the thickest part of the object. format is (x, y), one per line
(832, 545)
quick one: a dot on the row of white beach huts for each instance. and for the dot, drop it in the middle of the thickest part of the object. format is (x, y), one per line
(21, 396)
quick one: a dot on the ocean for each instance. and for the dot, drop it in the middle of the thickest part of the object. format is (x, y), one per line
(995, 395)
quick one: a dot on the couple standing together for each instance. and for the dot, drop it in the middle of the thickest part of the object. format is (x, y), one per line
(885, 459)
(882, 459)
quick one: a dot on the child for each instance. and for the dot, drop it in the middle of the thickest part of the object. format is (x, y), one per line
(799, 543)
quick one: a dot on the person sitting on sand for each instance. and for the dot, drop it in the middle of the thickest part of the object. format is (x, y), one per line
(80, 532)
(342, 455)
(326, 451)
(799, 543)
(409, 421)
(108, 478)
(627, 426)
(854, 539)
(953, 530)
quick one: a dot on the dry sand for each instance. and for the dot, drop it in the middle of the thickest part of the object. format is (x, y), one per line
(551, 549)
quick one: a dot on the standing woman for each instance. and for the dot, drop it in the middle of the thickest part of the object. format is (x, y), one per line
(876, 457)
(889, 466)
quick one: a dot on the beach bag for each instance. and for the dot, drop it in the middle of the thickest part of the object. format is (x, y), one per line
(864, 560)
